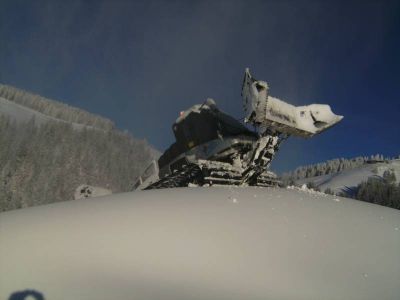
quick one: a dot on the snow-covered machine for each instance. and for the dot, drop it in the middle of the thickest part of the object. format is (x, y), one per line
(214, 148)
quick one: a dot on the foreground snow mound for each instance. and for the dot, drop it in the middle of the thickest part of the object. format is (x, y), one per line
(203, 243)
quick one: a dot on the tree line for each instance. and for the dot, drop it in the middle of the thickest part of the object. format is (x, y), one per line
(332, 166)
(383, 191)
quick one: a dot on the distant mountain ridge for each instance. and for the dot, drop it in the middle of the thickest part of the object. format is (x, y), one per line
(48, 149)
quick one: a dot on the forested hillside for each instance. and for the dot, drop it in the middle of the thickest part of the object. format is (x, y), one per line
(44, 162)
(383, 191)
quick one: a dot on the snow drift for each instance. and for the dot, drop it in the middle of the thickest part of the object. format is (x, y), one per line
(203, 243)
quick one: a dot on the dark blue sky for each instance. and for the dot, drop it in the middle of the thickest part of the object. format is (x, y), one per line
(141, 62)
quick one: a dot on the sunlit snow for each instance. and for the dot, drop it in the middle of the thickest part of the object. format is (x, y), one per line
(191, 243)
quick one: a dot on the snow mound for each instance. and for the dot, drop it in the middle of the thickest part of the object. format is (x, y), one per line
(203, 243)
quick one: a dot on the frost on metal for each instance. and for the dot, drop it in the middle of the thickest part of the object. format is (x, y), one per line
(272, 113)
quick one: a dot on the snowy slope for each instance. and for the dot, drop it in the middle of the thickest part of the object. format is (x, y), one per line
(203, 243)
(347, 180)
(22, 114)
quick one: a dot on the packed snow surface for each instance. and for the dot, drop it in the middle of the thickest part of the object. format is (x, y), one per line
(203, 243)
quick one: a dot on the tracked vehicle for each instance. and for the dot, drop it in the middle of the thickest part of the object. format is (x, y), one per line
(213, 148)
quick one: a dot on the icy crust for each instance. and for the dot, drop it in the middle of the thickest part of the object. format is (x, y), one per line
(203, 243)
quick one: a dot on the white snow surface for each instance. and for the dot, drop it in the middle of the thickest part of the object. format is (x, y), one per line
(203, 243)
(347, 180)
(88, 191)
(20, 113)
(23, 114)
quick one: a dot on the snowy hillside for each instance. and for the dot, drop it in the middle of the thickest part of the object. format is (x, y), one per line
(346, 181)
(27, 104)
(47, 163)
(22, 114)
(203, 243)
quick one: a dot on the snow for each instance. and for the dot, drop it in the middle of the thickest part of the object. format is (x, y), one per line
(193, 243)
(281, 110)
(347, 180)
(23, 114)
(310, 119)
(305, 189)
(208, 104)
(276, 114)
(87, 191)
